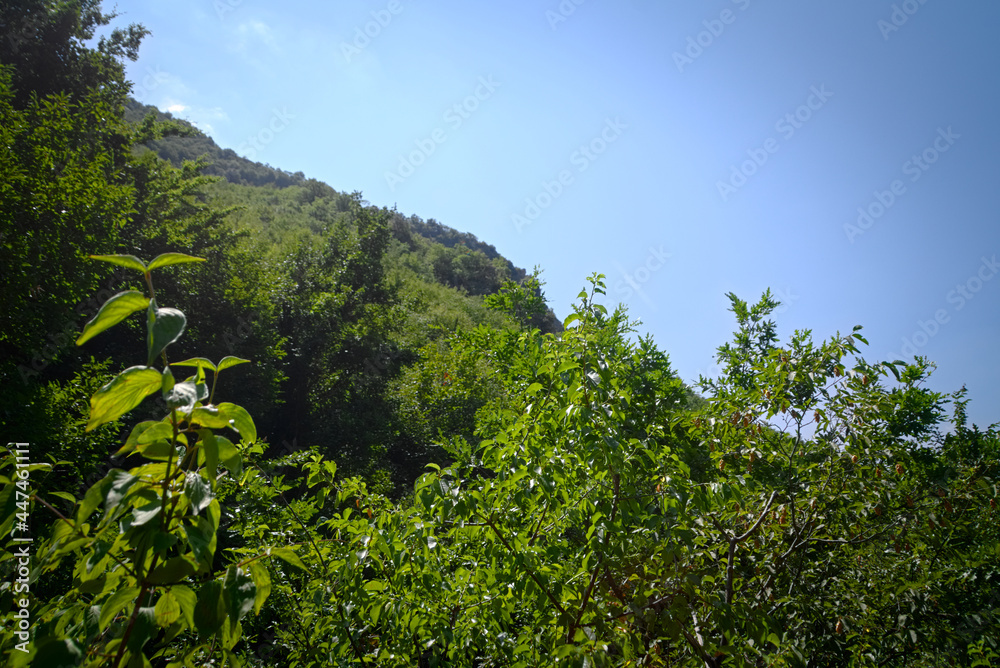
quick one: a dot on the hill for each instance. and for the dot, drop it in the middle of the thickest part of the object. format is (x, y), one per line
(475, 267)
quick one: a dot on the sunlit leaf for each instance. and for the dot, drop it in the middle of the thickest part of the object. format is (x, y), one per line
(122, 394)
(167, 609)
(230, 361)
(113, 312)
(200, 362)
(116, 604)
(129, 261)
(288, 556)
(167, 259)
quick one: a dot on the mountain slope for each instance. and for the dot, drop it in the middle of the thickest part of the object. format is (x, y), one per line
(455, 259)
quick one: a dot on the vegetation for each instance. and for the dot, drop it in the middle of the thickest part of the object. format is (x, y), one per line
(446, 474)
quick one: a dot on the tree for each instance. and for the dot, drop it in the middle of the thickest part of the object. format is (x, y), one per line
(524, 301)
(46, 44)
(606, 519)
(64, 190)
(338, 316)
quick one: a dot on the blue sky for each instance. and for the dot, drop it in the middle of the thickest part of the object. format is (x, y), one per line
(842, 154)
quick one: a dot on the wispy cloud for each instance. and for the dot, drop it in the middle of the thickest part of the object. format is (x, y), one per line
(252, 33)
(205, 119)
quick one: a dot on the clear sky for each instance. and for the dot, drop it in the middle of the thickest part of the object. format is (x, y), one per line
(844, 154)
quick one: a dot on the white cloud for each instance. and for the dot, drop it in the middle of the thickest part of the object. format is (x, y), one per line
(153, 85)
(204, 118)
(256, 31)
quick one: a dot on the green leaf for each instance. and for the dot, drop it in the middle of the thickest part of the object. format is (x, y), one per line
(240, 420)
(230, 361)
(187, 599)
(142, 515)
(113, 312)
(229, 456)
(168, 325)
(198, 491)
(201, 538)
(262, 580)
(143, 630)
(167, 259)
(209, 612)
(150, 431)
(158, 451)
(567, 366)
(172, 570)
(210, 446)
(182, 396)
(239, 592)
(116, 604)
(168, 381)
(288, 556)
(121, 482)
(226, 415)
(200, 362)
(202, 389)
(93, 498)
(122, 394)
(167, 610)
(66, 496)
(58, 654)
(129, 261)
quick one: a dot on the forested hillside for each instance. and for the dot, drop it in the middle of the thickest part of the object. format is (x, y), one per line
(256, 421)
(318, 287)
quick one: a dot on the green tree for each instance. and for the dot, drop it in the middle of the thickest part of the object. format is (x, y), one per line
(804, 513)
(338, 317)
(46, 44)
(62, 195)
(524, 301)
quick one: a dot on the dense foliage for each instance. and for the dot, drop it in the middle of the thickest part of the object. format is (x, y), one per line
(446, 474)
